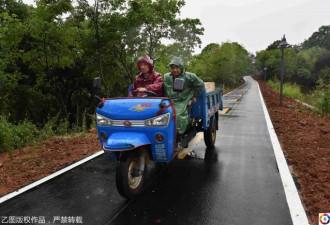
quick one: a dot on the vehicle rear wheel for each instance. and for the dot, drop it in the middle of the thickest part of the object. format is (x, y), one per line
(131, 173)
(210, 134)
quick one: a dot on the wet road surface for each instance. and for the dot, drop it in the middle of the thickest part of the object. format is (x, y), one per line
(236, 183)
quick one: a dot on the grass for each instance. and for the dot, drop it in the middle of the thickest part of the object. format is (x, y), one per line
(23, 134)
(289, 90)
(319, 98)
(71, 136)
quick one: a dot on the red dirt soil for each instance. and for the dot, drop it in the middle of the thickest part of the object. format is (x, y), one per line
(304, 136)
(305, 139)
(39, 160)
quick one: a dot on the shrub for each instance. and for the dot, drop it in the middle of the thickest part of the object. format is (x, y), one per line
(5, 142)
(63, 127)
(289, 90)
(75, 129)
(48, 129)
(93, 124)
(23, 134)
(292, 91)
(275, 85)
(324, 102)
(321, 98)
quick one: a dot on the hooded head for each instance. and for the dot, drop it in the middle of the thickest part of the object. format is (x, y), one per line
(145, 59)
(177, 62)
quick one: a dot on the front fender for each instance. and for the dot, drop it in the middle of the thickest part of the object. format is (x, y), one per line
(123, 141)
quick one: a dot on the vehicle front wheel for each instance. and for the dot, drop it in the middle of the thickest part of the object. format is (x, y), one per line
(131, 173)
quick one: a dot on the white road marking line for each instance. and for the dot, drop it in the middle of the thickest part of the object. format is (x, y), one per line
(297, 211)
(43, 180)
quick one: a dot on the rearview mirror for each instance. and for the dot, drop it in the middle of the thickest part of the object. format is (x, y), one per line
(178, 85)
(97, 83)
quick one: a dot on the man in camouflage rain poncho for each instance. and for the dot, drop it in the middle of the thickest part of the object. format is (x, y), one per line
(193, 88)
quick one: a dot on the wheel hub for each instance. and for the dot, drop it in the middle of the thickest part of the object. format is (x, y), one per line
(134, 174)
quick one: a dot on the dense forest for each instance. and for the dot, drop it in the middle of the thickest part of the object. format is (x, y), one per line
(307, 64)
(307, 68)
(51, 52)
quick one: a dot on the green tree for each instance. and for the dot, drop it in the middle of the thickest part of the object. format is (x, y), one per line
(49, 53)
(15, 8)
(302, 67)
(149, 24)
(127, 31)
(274, 45)
(226, 63)
(11, 34)
(52, 50)
(320, 38)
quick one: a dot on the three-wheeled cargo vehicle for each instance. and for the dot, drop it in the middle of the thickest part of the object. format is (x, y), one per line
(135, 130)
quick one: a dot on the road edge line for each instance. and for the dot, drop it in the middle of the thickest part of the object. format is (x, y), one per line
(297, 211)
(49, 177)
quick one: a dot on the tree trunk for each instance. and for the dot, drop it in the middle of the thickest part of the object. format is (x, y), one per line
(96, 17)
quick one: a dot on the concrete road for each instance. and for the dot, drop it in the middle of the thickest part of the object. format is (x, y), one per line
(236, 183)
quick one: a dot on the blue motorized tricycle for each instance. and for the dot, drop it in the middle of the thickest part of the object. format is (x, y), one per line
(136, 130)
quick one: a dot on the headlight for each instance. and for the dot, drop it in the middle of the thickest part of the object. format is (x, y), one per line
(102, 120)
(159, 121)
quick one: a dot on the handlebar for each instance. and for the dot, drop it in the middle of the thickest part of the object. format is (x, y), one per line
(149, 93)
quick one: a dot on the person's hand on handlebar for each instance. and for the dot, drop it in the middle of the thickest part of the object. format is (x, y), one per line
(141, 89)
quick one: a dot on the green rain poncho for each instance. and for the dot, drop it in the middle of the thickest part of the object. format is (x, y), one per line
(193, 87)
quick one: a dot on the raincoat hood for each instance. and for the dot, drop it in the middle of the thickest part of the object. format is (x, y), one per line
(146, 59)
(178, 62)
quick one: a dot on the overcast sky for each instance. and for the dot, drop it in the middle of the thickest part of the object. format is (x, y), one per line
(255, 24)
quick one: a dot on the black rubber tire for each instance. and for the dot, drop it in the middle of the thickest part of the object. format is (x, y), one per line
(210, 134)
(128, 186)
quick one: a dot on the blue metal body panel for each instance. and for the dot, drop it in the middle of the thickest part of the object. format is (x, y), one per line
(207, 105)
(132, 137)
(126, 141)
(130, 108)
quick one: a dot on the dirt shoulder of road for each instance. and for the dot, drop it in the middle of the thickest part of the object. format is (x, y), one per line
(304, 136)
(39, 160)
